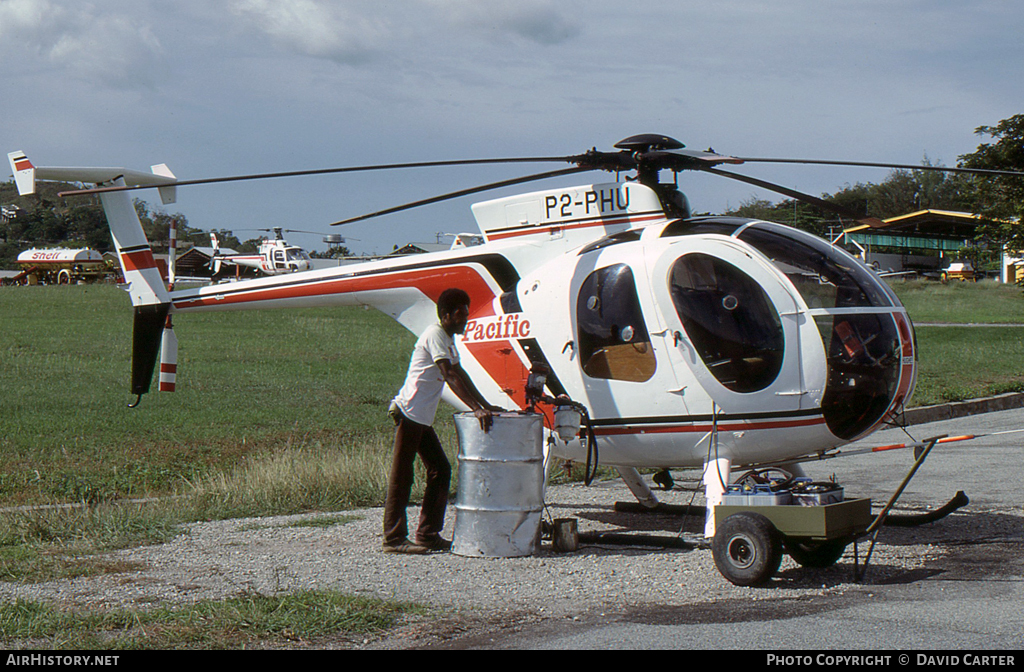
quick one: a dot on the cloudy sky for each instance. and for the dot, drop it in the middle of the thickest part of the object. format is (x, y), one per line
(246, 86)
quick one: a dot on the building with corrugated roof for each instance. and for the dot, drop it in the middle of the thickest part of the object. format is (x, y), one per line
(925, 241)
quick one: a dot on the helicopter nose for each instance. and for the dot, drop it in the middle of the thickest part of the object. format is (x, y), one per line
(871, 370)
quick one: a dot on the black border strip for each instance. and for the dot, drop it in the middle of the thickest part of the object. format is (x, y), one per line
(721, 417)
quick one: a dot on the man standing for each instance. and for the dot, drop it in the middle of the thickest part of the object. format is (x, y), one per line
(434, 363)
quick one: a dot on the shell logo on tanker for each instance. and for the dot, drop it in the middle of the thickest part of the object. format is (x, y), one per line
(501, 327)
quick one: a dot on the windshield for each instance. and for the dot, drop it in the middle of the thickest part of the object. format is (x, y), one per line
(825, 275)
(862, 348)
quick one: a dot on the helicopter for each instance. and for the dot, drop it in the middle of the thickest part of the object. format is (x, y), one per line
(691, 342)
(275, 256)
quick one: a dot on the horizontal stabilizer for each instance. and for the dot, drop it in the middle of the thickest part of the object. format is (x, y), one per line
(25, 175)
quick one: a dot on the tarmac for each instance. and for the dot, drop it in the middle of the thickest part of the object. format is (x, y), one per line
(965, 595)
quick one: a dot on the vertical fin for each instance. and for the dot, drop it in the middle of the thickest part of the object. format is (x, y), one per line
(168, 194)
(147, 330)
(145, 283)
(24, 173)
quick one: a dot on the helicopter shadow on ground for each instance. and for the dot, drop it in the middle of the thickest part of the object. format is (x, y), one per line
(608, 518)
(790, 576)
(975, 546)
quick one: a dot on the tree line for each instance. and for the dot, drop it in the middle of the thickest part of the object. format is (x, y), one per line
(44, 219)
(999, 200)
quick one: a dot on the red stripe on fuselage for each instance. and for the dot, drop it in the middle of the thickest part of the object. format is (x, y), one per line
(504, 366)
(907, 367)
(549, 228)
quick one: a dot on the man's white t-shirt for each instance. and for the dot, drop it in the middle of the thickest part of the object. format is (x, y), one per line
(421, 393)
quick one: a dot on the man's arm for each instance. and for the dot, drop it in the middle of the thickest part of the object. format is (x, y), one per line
(460, 383)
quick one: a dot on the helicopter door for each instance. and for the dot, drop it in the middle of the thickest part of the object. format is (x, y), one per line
(622, 369)
(279, 261)
(733, 326)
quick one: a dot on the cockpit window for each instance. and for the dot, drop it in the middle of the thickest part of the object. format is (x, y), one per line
(730, 321)
(826, 276)
(612, 336)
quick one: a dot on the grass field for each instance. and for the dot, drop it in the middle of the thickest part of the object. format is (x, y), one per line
(961, 302)
(282, 397)
(956, 363)
(249, 384)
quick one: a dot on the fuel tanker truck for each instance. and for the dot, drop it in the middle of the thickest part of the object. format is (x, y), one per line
(60, 266)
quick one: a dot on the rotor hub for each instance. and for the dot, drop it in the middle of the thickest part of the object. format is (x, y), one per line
(646, 142)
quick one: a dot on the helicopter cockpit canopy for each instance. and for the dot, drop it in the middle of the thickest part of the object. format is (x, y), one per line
(862, 346)
(291, 259)
(738, 334)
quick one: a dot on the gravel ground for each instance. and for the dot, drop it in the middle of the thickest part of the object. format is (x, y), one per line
(272, 555)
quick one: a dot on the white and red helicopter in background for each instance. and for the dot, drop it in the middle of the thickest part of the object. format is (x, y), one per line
(275, 256)
(691, 342)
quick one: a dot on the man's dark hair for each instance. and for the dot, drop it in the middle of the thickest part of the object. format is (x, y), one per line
(451, 299)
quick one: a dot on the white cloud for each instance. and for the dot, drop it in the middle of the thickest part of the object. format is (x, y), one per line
(79, 39)
(342, 32)
(353, 32)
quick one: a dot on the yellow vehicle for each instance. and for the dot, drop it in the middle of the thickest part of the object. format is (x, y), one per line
(959, 270)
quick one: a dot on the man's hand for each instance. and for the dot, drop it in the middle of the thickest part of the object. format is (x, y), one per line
(485, 417)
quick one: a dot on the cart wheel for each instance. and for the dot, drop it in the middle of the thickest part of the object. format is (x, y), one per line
(747, 549)
(815, 553)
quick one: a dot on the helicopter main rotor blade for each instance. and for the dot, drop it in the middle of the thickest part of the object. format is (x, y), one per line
(466, 192)
(329, 171)
(893, 166)
(799, 195)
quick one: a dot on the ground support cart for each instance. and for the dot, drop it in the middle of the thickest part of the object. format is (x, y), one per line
(750, 540)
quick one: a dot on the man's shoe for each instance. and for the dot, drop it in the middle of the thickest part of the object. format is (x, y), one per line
(435, 544)
(405, 546)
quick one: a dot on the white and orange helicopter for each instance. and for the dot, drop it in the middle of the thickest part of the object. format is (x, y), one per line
(691, 342)
(275, 256)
